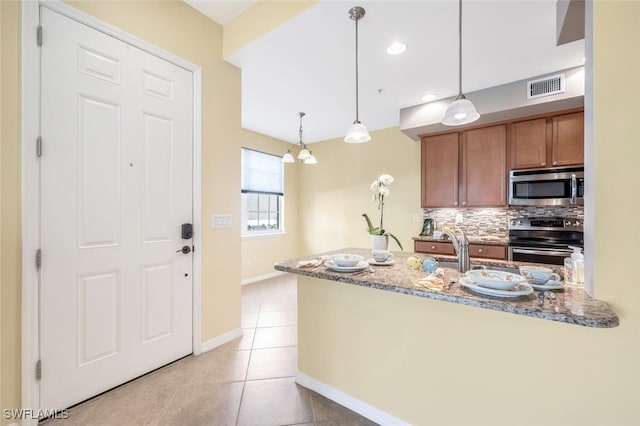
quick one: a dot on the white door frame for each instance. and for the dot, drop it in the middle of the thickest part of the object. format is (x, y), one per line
(31, 177)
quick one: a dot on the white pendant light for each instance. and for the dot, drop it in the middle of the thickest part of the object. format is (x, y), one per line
(357, 133)
(304, 155)
(288, 157)
(311, 160)
(461, 111)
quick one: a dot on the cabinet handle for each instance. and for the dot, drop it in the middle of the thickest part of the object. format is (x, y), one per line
(433, 247)
(479, 250)
(555, 163)
(455, 203)
(543, 164)
(464, 203)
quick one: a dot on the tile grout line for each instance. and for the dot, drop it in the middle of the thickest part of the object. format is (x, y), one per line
(246, 373)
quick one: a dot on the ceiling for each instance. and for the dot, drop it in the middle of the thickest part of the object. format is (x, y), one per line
(307, 64)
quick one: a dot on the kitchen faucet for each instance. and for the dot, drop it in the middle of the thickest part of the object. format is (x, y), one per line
(461, 247)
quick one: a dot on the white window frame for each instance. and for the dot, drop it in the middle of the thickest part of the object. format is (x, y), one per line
(244, 214)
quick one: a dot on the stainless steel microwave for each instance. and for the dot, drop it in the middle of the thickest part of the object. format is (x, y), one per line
(560, 186)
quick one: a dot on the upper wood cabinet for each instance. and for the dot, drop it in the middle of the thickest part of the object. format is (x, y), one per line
(484, 167)
(568, 139)
(529, 144)
(439, 170)
(466, 169)
(548, 142)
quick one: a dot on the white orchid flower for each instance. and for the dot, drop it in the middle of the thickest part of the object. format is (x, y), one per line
(384, 191)
(375, 185)
(386, 179)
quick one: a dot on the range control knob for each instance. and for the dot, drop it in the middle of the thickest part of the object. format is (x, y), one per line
(519, 222)
(576, 223)
(567, 223)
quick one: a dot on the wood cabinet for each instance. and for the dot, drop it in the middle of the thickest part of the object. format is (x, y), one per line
(439, 164)
(548, 142)
(567, 140)
(465, 169)
(484, 167)
(486, 251)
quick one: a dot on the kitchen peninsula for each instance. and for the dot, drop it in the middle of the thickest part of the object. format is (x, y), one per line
(396, 353)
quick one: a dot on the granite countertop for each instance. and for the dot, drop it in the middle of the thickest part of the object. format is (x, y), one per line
(487, 240)
(572, 305)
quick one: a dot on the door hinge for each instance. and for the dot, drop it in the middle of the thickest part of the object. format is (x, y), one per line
(39, 146)
(39, 35)
(38, 258)
(39, 370)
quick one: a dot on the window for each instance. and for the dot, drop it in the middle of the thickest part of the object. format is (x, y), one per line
(262, 193)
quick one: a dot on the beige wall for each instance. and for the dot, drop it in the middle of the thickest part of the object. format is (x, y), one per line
(335, 194)
(260, 253)
(452, 364)
(10, 247)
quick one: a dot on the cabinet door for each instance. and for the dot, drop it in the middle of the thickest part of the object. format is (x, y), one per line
(568, 139)
(529, 144)
(484, 167)
(439, 162)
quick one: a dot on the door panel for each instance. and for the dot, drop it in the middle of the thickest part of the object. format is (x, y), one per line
(116, 185)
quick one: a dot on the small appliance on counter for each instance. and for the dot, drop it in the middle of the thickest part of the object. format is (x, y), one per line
(428, 226)
(544, 239)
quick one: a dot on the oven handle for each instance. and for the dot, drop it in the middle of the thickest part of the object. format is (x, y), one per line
(574, 189)
(542, 251)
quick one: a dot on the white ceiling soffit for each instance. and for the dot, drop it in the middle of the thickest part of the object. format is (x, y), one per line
(307, 64)
(221, 11)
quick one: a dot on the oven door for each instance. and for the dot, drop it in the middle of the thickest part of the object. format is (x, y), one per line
(552, 256)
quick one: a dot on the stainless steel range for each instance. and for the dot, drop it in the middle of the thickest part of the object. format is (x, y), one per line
(544, 239)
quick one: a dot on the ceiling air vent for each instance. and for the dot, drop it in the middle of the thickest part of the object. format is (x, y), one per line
(545, 86)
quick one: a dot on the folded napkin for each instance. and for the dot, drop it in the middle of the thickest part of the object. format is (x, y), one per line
(309, 263)
(431, 282)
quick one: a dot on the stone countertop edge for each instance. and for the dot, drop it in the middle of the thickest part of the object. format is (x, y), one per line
(492, 241)
(572, 305)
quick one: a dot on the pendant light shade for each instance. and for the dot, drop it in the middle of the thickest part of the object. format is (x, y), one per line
(357, 133)
(304, 154)
(461, 111)
(288, 157)
(311, 159)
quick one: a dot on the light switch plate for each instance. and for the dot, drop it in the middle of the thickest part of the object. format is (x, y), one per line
(221, 221)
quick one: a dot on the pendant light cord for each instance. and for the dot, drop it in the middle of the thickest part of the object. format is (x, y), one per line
(357, 103)
(460, 48)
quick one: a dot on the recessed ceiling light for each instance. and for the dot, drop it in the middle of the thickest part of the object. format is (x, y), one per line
(396, 48)
(429, 97)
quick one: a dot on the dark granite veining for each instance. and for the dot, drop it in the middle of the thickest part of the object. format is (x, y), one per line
(572, 305)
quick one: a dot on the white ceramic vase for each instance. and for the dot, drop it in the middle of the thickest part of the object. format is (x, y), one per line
(380, 242)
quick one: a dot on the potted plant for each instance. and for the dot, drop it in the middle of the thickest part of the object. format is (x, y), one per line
(380, 237)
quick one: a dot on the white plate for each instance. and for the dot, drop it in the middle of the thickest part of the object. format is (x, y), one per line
(549, 285)
(523, 289)
(385, 263)
(360, 266)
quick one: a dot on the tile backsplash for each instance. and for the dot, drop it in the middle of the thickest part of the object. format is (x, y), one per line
(495, 221)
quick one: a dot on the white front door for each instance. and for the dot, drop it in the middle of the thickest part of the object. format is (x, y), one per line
(116, 186)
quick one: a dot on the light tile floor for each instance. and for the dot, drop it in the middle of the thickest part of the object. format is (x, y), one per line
(250, 381)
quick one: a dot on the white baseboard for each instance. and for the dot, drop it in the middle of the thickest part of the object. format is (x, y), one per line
(261, 277)
(362, 408)
(221, 340)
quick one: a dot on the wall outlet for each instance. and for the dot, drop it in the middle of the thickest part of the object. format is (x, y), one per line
(221, 221)
(459, 217)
